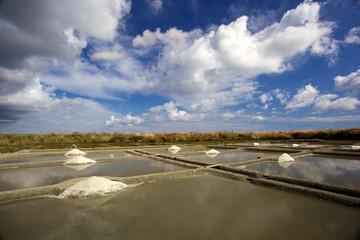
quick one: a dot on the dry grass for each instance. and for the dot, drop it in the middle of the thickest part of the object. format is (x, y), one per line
(7, 140)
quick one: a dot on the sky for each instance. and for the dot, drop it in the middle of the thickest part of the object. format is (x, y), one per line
(178, 66)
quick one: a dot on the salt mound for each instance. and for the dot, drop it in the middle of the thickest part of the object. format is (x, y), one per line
(295, 145)
(285, 158)
(79, 160)
(174, 149)
(92, 187)
(212, 153)
(355, 147)
(75, 152)
(256, 144)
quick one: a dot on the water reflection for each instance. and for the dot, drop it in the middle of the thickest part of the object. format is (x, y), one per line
(110, 155)
(37, 159)
(229, 157)
(203, 207)
(34, 177)
(330, 170)
(79, 167)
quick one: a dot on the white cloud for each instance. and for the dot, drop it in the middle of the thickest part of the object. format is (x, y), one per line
(85, 79)
(304, 97)
(32, 99)
(195, 66)
(265, 97)
(42, 35)
(55, 29)
(156, 5)
(205, 105)
(324, 103)
(107, 56)
(353, 36)
(281, 95)
(228, 115)
(258, 118)
(126, 120)
(169, 111)
(349, 82)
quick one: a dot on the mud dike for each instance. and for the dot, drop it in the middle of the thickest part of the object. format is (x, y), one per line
(236, 171)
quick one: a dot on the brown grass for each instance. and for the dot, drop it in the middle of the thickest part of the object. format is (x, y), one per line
(8, 140)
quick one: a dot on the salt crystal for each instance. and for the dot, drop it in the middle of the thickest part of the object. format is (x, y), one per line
(92, 187)
(285, 158)
(75, 152)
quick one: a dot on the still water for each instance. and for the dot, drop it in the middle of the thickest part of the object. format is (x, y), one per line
(42, 159)
(338, 171)
(228, 157)
(203, 207)
(42, 176)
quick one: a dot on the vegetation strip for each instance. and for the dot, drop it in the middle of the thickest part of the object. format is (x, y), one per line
(207, 138)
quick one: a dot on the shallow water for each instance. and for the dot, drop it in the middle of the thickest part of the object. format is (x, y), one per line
(110, 155)
(35, 177)
(40, 159)
(228, 157)
(204, 207)
(338, 171)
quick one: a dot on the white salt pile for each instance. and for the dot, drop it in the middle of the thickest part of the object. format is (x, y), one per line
(212, 153)
(355, 147)
(75, 152)
(256, 144)
(174, 149)
(92, 187)
(285, 158)
(295, 145)
(79, 160)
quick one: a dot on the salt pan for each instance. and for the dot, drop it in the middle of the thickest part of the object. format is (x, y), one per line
(79, 160)
(75, 152)
(92, 187)
(285, 158)
(79, 167)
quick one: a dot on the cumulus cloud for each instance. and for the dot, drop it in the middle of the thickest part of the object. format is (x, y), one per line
(281, 95)
(42, 35)
(127, 120)
(87, 79)
(265, 97)
(55, 29)
(193, 65)
(304, 97)
(353, 37)
(323, 102)
(169, 111)
(349, 82)
(32, 99)
(258, 118)
(328, 102)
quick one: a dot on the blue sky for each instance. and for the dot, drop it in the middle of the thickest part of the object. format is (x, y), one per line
(178, 66)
